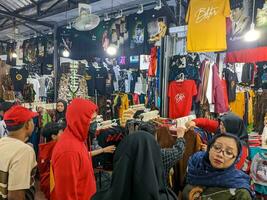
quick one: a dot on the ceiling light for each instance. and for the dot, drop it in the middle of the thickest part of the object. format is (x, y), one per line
(252, 34)
(66, 53)
(158, 6)
(119, 15)
(140, 9)
(14, 55)
(106, 18)
(112, 50)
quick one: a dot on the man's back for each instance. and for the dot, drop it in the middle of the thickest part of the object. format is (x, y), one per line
(17, 167)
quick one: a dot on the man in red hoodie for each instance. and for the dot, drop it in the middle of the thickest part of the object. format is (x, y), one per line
(73, 175)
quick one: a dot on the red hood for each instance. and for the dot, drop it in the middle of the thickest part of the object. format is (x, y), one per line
(78, 116)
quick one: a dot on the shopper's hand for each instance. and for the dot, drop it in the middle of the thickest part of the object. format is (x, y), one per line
(204, 147)
(109, 149)
(190, 125)
(180, 131)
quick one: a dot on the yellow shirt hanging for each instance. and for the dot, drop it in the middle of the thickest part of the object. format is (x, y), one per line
(207, 25)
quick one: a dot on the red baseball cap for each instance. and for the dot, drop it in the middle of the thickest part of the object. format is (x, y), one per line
(18, 115)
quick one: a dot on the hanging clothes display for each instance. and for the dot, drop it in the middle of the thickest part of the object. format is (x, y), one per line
(180, 98)
(207, 25)
(19, 77)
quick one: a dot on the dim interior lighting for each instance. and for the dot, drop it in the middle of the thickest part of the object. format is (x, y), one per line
(252, 34)
(66, 53)
(112, 50)
(14, 55)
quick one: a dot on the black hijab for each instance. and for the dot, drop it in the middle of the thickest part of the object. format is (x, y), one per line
(61, 115)
(235, 125)
(138, 171)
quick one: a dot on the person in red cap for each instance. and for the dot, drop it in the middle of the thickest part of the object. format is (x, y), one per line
(17, 163)
(72, 176)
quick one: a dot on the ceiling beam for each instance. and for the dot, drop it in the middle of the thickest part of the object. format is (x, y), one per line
(32, 28)
(4, 22)
(7, 9)
(51, 7)
(28, 19)
(34, 2)
(172, 14)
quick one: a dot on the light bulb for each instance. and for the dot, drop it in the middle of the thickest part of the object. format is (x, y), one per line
(252, 34)
(112, 50)
(14, 55)
(66, 53)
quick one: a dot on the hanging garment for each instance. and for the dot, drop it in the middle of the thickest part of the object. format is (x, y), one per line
(217, 91)
(260, 108)
(238, 106)
(207, 15)
(68, 91)
(153, 62)
(180, 98)
(28, 93)
(192, 145)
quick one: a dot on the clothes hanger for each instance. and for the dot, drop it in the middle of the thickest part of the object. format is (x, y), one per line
(180, 77)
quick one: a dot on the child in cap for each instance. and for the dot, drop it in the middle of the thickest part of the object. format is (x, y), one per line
(17, 163)
(51, 133)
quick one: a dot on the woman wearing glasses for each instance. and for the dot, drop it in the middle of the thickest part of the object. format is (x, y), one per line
(229, 123)
(212, 174)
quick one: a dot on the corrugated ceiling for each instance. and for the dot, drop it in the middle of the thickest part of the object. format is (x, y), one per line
(13, 5)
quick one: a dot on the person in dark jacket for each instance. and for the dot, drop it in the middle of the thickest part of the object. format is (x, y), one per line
(138, 171)
(212, 174)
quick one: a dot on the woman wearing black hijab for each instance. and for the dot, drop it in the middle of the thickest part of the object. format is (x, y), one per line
(138, 171)
(61, 108)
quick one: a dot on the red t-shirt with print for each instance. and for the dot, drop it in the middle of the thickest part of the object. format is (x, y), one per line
(180, 97)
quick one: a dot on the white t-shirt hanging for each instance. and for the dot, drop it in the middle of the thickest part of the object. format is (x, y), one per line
(239, 71)
(144, 62)
(128, 82)
(116, 70)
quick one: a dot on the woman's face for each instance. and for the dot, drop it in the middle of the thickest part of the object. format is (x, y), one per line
(223, 153)
(60, 107)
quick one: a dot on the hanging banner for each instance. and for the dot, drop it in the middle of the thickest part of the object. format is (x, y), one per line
(240, 23)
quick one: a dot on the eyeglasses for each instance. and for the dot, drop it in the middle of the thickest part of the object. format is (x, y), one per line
(226, 152)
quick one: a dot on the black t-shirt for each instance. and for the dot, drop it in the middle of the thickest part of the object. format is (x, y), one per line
(19, 78)
(109, 81)
(186, 64)
(100, 80)
(231, 80)
(47, 69)
(247, 73)
(135, 75)
(90, 75)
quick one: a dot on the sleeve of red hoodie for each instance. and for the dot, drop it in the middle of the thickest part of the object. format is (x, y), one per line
(65, 170)
(207, 124)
